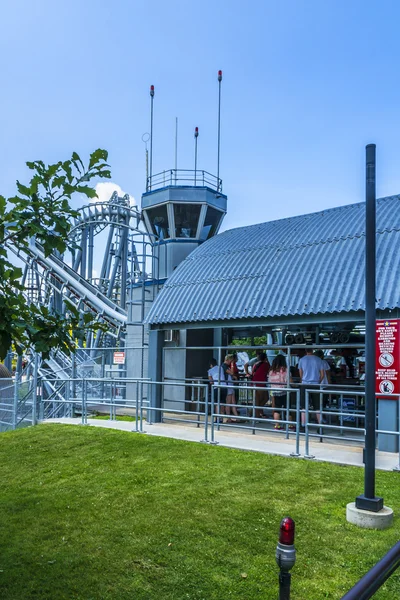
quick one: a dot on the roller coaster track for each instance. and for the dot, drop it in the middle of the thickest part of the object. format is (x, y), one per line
(59, 282)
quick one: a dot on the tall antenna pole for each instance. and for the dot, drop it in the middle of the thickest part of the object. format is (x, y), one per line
(196, 135)
(219, 126)
(151, 133)
(145, 139)
(176, 147)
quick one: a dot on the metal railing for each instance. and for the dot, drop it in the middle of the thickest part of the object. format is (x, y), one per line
(185, 177)
(16, 401)
(304, 415)
(251, 421)
(7, 404)
(338, 419)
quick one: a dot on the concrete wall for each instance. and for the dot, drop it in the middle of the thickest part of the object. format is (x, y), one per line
(171, 253)
(137, 336)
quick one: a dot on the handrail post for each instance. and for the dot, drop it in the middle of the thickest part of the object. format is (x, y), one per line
(206, 415)
(398, 408)
(298, 422)
(213, 413)
(83, 402)
(141, 406)
(41, 403)
(137, 407)
(34, 395)
(307, 449)
(15, 403)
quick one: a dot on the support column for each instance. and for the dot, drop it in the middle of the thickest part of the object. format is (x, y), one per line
(218, 343)
(156, 344)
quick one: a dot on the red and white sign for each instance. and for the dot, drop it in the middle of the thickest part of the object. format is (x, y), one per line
(119, 358)
(387, 368)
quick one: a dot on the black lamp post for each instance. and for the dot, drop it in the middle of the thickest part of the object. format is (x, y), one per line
(368, 500)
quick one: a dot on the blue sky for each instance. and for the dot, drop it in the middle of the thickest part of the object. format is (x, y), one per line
(307, 84)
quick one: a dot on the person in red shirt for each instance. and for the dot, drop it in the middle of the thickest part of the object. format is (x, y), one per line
(259, 377)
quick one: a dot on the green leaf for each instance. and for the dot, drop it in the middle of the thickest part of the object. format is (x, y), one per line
(17, 274)
(66, 166)
(35, 181)
(88, 191)
(105, 174)
(52, 169)
(58, 181)
(5, 343)
(23, 189)
(69, 189)
(97, 156)
(76, 160)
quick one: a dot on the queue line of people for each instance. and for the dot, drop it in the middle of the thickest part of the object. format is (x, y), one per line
(313, 372)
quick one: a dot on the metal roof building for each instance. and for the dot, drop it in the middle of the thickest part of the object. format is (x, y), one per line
(285, 270)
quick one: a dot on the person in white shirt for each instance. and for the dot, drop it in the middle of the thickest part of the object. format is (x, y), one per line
(215, 372)
(311, 369)
(327, 370)
(216, 375)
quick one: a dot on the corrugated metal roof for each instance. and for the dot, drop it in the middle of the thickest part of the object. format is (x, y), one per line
(298, 266)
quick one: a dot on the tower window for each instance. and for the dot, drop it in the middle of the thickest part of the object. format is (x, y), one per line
(158, 218)
(211, 222)
(186, 220)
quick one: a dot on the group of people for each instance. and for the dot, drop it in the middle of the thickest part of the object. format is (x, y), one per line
(313, 371)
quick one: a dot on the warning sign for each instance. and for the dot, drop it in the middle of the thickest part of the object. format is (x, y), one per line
(119, 358)
(387, 369)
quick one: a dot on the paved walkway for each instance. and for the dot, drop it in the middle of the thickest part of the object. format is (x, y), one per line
(267, 442)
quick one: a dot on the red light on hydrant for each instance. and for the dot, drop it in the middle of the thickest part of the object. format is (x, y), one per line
(286, 532)
(152, 90)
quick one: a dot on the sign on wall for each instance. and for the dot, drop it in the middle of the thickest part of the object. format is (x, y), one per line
(119, 358)
(387, 368)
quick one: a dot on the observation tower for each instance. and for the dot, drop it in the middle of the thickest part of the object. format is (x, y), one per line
(181, 209)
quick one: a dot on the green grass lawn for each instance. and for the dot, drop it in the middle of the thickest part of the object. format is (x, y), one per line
(92, 513)
(126, 418)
